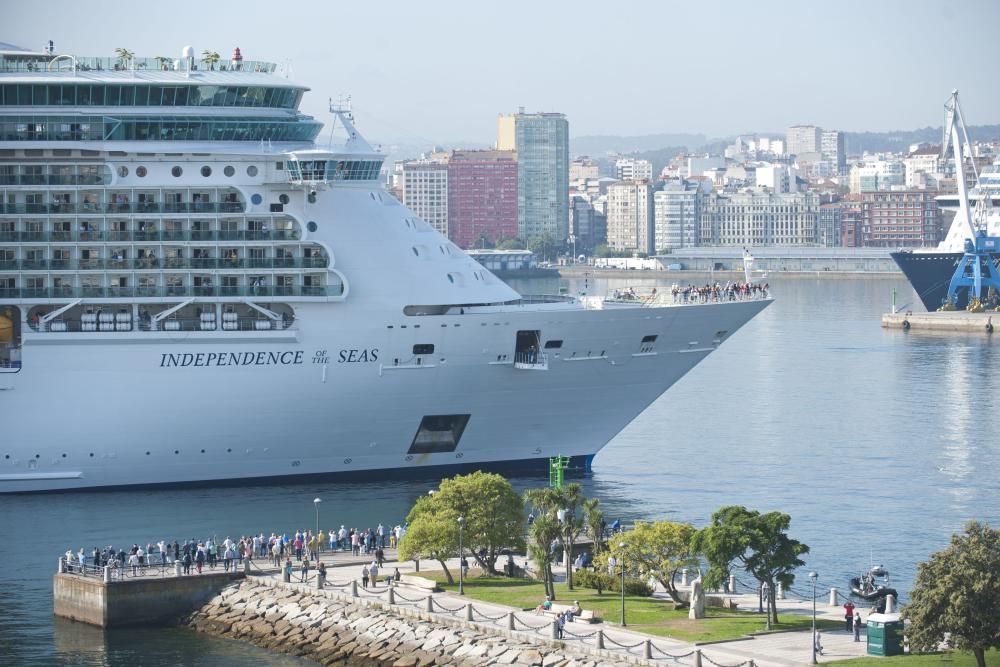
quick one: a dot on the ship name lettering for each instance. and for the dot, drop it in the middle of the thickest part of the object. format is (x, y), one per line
(354, 356)
(206, 359)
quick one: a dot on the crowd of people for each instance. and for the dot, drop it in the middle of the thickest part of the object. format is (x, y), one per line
(210, 553)
(717, 292)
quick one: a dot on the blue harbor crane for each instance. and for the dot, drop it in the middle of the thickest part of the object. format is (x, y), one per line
(975, 270)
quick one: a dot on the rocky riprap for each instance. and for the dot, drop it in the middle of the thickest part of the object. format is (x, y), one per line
(334, 629)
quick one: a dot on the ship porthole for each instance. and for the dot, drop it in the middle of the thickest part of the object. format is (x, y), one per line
(176, 172)
(283, 199)
(229, 171)
(122, 171)
(256, 199)
(312, 226)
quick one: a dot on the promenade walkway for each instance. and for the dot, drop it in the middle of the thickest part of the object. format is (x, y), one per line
(779, 649)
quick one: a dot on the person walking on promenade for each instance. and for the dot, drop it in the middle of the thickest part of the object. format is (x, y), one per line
(133, 562)
(187, 563)
(857, 626)
(817, 644)
(364, 576)
(288, 569)
(305, 569)
(373, 573)
(849, 615)
(199, 558)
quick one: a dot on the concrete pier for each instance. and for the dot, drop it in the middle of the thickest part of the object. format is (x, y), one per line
(956, 321)
(142, 600)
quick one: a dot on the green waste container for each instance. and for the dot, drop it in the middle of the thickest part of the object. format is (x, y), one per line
(885, 634)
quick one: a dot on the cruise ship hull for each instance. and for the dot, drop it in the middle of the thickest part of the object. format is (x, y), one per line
(329, 398)
(930, 273)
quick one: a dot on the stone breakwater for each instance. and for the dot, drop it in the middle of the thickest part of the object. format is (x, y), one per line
(334, 629)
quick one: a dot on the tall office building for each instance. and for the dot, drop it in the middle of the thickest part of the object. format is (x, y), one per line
(677, 214)
(425, 191)
(832, 148)
(802, 139)
(541, 141)
(630, 217)
(482, 196)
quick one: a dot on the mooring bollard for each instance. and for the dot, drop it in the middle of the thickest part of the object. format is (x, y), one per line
(647, 650)
(392, 596)
(430, 603)
(684, 578)
(833, 597)
(890, 604)
(732, 583)
(320, 581)
(781, 591)
(510, 620)
(286, 575)
(177, 568)
(600, 639)
(697, 657)
(246, 566)
(555, 629)
(61, 567)
(354, 588)
(107, 574)
(468, 611)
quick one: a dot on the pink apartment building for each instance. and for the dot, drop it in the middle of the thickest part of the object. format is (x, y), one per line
(482, 196)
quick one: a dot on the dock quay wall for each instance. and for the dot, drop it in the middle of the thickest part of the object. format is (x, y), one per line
(335, 629)
(947, 321)
(134, 602)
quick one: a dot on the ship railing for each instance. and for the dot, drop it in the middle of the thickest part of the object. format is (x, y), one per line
(151, 235)
(545, 298)
(122, 208)
(531, 361)
(113, 64)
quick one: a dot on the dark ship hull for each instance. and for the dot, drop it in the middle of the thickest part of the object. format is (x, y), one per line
(930, 273)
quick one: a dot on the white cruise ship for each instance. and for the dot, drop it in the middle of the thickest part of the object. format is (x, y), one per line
(192, 290)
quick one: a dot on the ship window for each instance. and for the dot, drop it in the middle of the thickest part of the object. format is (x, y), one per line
(438, 433)
(283, 199)
(123, 171)
(553, 344)
(423, 348)
(649, 339)
(176, 172)
(229, 171)
(256, 199)
(206, 171)
(251, 171)
(311, 226)
(140, 172)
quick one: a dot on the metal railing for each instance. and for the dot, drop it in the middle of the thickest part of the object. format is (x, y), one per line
(91, 292)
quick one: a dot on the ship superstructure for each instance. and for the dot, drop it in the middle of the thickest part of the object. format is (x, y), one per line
(191, 289)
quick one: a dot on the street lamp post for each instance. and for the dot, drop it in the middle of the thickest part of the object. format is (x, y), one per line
(621, 545)
(813, 576)
(461, 557)
(316, 502)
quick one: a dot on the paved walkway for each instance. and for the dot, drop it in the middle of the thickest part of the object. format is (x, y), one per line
(779, 649)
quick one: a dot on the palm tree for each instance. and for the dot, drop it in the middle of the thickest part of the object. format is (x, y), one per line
(125, 57)
(162, 61)
(210, 58)
(593, 517)
(543, 532)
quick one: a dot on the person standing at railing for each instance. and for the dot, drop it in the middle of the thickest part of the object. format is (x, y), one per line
(199, 558)
(133, 562)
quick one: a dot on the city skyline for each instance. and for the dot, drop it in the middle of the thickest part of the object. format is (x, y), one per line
(443, 72)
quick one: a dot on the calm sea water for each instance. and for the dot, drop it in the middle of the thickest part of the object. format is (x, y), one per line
(879, 444)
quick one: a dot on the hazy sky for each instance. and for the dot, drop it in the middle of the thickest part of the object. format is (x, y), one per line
(441, 71)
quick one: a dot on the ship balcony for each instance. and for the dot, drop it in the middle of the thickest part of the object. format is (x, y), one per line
(154, 235)
(531, 361)
(66, 292)
(155, 263)
(194, 208)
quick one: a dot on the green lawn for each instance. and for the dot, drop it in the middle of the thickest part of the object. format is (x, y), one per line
(648, 615)
(952, 659)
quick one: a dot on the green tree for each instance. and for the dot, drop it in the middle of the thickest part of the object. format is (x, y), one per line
(430, 535)
(659, 549)
(593, 517)
(543, 532)
(210, 58)
(563, 506)
(493, 511)
(510, 244)
(956, 596)
(756, 542)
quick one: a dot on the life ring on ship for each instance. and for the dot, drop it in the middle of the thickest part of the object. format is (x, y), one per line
(906, 325)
